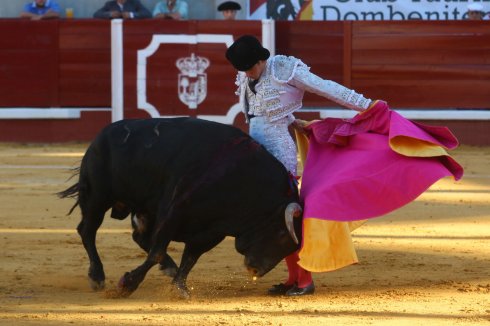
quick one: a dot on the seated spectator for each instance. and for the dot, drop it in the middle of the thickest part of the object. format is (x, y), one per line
(475, 11)
(229, 9)
(41, 9)
(126, 9)
(171, 9)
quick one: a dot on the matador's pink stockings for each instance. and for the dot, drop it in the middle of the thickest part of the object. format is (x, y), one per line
(297, 274)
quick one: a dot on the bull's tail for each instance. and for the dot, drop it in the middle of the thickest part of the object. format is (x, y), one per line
(71, 192)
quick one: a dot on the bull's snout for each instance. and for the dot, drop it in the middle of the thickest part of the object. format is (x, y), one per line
(253, 267)
(253, 271)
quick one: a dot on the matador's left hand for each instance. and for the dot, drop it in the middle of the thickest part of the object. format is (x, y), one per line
(300, 125)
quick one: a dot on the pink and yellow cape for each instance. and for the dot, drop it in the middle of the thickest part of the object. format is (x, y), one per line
(362, 168)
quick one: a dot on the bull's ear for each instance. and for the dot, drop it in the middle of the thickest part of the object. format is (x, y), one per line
(292, 210)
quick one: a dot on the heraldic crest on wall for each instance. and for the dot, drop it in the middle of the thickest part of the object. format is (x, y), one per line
(193, 80)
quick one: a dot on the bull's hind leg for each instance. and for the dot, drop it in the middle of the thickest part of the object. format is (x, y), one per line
(87, 230)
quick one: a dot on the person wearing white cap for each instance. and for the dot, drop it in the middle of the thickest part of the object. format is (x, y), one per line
(229, 9)
(475, 11)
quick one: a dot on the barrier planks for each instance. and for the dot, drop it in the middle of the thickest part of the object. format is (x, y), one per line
(67, 63)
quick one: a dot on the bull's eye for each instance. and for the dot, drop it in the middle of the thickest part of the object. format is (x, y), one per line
(283, 236)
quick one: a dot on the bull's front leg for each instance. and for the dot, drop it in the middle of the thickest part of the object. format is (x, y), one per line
(143, 237)
(168, 266)
(131, 280)
(192, 251)
(180, 280)
(162, 236)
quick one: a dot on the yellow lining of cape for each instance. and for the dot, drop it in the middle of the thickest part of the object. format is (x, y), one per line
(302, 144)
(327, 245)
(413, 147)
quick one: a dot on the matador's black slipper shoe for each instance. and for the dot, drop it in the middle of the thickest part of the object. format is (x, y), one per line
(280, 289)
(296, 291)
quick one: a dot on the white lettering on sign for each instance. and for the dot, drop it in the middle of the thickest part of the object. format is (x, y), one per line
(366, 9)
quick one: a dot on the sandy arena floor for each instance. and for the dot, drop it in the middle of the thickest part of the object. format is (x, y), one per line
(426, 264)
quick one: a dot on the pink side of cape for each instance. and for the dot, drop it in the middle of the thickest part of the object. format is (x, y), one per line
(351, 172)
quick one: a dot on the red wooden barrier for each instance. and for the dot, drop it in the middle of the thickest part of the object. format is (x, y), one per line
(422, 64)
(29, 63)
(320, 46)
(58, 63)
(84, 63)
(67, 63)
(411, 64)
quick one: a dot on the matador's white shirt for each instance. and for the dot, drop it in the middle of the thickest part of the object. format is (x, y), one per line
(278, 93)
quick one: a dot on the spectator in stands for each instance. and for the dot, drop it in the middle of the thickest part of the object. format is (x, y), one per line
(475, 11)
(41, 9)
(229, 9)
(126, 9)
(171, 9)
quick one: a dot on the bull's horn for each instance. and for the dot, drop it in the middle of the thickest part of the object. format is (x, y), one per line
(292, 210)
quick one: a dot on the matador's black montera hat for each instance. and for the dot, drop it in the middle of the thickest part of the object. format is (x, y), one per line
(229, 5)
(245, 52)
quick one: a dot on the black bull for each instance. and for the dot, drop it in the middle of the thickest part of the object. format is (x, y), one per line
(185, 180)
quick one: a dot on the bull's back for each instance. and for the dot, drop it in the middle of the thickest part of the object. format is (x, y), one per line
(142, 157)
(154, 143)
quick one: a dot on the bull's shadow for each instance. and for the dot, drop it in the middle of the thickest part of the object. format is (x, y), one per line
(378, 271)
(220, 273)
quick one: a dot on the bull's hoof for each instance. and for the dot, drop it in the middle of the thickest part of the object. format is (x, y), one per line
(182, 289)
(96, 285)
(116, 293)
(184, 293)
(126, 285)
(96, 277)
(122, 293)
